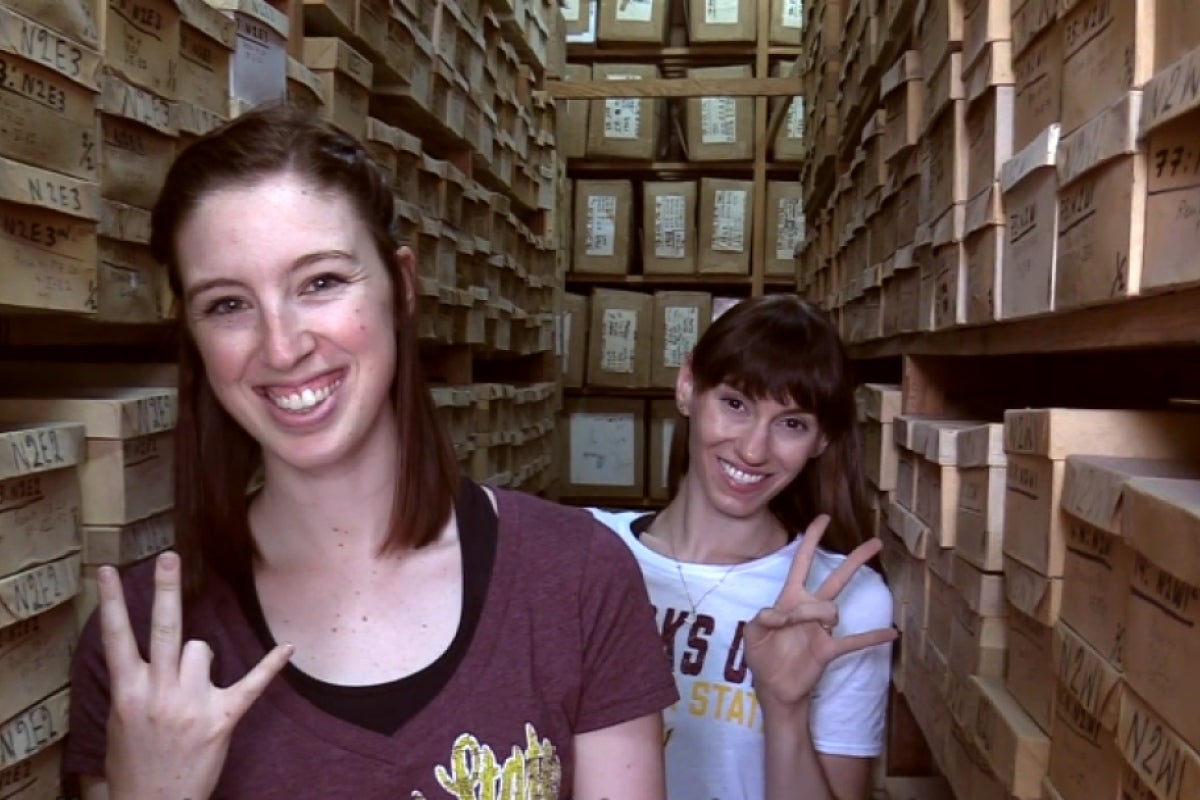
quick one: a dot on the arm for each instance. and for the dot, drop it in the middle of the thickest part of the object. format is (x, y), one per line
(795, 769)
(93, 788)
(621, 762)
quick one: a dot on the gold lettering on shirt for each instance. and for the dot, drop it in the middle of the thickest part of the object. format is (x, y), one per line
(474, 773)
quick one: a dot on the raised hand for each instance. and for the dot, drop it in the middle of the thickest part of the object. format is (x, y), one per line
(789, 644)
(168, 727)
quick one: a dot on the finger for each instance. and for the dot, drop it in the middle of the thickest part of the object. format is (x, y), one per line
(793, 587)
(165, 619)
(195, 664)
(243, 693)
(861, 641)
(120, 648)
(837, 580)
(824, 613)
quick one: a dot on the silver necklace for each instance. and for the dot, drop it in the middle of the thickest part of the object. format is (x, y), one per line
(695, 604)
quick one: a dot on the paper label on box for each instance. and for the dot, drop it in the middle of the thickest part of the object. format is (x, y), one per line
(718, 120)
(794, 125)
(570, 10)
(619, 340)
(793, 14)
(791, 227)
(720, 12)
(635, 10)
(562, 337)
(729, 217)
(603, 448)
(259, 71)
(670, 226)
(681, 332)
(601, 225)
(622, 118)
(668, 433)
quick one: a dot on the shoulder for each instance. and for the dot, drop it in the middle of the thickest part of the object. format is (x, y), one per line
(555, 532)
(866, 602)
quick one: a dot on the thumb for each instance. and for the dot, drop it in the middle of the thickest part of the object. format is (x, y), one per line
(243, 693)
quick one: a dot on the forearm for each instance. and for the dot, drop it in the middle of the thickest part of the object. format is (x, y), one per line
(793, 769)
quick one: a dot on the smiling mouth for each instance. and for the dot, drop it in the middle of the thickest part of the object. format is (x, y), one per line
(740, 477)
(304, 400)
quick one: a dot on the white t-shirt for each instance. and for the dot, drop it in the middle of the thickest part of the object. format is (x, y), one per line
(714, 734)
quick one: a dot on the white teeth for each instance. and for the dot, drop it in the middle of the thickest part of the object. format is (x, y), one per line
(305, 399)
(739, 476)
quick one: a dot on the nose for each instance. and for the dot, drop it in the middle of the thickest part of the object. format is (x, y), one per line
(286, 338)
(755, 442)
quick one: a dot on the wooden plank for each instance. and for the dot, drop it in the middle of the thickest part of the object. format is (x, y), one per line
(789, 170)
(691, 54)
(781, 111)
(735, 284)
(1161, 320)
(676, 87)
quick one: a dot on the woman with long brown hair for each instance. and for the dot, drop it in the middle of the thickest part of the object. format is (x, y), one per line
(365, 623)
(777, 629)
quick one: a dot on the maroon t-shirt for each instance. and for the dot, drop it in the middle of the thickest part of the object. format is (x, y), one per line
(566, 644)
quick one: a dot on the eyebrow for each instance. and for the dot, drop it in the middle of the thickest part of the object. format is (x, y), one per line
(301, 262)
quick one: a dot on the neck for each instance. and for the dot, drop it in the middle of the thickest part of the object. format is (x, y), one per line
(306, 518)
(690, 529)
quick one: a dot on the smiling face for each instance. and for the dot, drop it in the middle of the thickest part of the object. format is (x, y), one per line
(744, 451)
(291, 310)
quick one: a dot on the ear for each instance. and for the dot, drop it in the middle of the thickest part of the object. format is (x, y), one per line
(822, 446)
(685, 388)
(406, 264)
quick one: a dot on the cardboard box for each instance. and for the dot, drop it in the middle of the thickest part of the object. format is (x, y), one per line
(1176, 32)
(663, 416)
(35, 655)
(1017, 750)
(939, 33)
(604, 445)
(76, 20)
(669, 236)
(34, 730)
(984, 22)
(1108, 49)
(131, 286)
(39, 488)
(726, 211)
(980, 512)
(948, 268)
(983, 592)
(790, 142)
(1172, 236)
(1038, 74)
(603, 226)
(1099, 560)
(902, 93)
(719, 128)
(1101, 208)
(37, 590)
(1162, 521)
(727, 21)
(122, 545)
(680, 319)
(989, 136)
(785, 226)
(345, 77)
(1029, 667)
(258, 73)
(39, 776)
(1166, 764)
(624, 127)
(573, 127)
(572, 348)
(49, 263)
(881, 402)
(948, 160)
(880, 458)
(206, 42)
(139, 133)
(983, 248)
(59, 135)
(787, 22)
(581, 18)
(643, 22)
(1056, 433)
(1030, 18)
(1030, 190)
(619, 338)
(978, 643)
(303, 88)
(141, 44)
(1085, 762)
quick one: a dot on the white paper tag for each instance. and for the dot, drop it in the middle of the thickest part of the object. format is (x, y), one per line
(718, 120)
(622, 115)
(618, 340)
(681, 331)
(603, 449)
(795, 119)
(729, 216)
(721, 12)
(259, 71)
(570, 10)
(670, 227)
(635, 10)
(601, 225)
(668, 433)
(790, 227)
(793, 14)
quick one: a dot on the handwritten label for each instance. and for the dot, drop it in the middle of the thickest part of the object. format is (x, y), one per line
(789, 227)
(42, 46)
(681, 331)
(39, 589)
(601, 226)
(259, 66)
(729, 221)
(1167, 765)
(622, 118)
(670, 226)
(619, 341)
(718, 120)
(571, 10)
(721, 12)
(631, 10)
(1172, 93)
(792, 14)
(33, 730)
(39, 449)
(603, 449)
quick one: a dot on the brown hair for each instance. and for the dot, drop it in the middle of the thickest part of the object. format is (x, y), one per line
(215, 459)
(783, 348)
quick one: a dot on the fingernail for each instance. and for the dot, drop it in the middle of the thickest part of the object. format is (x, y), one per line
(168, 560)
(106, 574)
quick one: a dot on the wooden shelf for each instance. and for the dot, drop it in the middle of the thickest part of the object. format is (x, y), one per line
(654, 392)
(676, 87)
(688, 168)
(1151, 321)
(733, 283)
(692, 54)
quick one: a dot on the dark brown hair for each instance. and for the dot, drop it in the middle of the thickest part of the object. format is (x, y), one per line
(783, 348)
(215, 459)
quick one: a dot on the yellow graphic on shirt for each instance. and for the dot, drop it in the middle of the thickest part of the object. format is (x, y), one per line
(474, 772)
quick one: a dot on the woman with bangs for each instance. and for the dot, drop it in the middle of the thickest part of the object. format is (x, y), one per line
(778, 631)
(363, 621)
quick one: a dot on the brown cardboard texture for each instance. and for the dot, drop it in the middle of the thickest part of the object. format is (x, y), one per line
(603, 226)
(619, 339)
(725, 220)
(680, 319)
(719, 128)
(603, 447)
(669, 236)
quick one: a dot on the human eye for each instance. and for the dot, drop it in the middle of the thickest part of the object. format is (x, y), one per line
(795, 424)
(733, 402)
(224, 306)
(324, 282)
